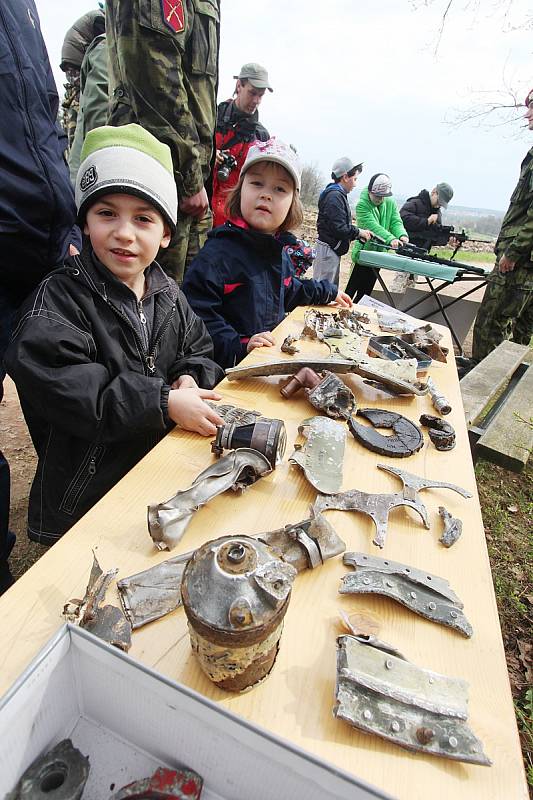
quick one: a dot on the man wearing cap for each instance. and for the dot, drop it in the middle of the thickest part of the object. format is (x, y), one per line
(506, 310)
(334, 223)
(237, 128)
(163, 75)
(422, 218)
(376, 209)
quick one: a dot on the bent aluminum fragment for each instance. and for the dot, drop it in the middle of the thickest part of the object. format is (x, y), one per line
(388, 372)
(414, 483)
(413, 707)
(59, 774)
(322, 455)
(406, 439)
(377, 506)
(238, 469)
(453, 528)
(440, 432)
(425, 594)
(440, 403)
(154, 592)
(305, 544)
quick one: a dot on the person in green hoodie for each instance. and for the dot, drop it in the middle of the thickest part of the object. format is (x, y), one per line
(376, 210)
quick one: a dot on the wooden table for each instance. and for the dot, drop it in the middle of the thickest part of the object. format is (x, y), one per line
(296, 701)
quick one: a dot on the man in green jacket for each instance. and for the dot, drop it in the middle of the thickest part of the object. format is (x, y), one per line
(506, 311)
(163, 75)
(376, 210)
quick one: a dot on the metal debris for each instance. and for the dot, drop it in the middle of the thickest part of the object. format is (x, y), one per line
(59, 774)
(406, 439)
(414, 483)
(237, 470)
(418, 709)
(398, 375)
(154, 592)
(425, 594)
(440, 403)
(321, 457)
(427, 339)
(235, 594)
(306, 544)
(377, 506)
(165, 784)
(440, 432)
(325, 392)
(107, 622)
(392, 323)
(288, 345)
(453, 528)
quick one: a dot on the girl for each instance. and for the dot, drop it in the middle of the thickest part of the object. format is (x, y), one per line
(241, 283)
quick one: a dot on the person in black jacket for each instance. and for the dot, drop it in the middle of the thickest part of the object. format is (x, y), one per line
(334, 222)
(422, 218)
(107, 354)
(243, 282)
(37, 211)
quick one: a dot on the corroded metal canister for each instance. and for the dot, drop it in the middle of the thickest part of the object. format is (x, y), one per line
(235, 593)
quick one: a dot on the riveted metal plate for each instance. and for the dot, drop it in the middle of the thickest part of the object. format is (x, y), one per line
(321, 457)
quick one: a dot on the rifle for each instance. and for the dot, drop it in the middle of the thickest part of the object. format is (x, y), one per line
(419, 253)
(442, 233)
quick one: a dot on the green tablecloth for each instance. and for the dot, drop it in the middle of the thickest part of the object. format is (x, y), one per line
(385, 260)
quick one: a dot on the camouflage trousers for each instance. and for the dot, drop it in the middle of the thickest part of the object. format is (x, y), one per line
(506, 311)
(191, 233)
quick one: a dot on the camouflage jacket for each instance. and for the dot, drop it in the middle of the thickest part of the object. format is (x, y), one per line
(163, 74)
(516, 234)
(70, 104)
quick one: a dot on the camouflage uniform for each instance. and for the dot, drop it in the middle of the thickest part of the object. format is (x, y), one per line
(506, 311)
(71, 104)
(163, 74)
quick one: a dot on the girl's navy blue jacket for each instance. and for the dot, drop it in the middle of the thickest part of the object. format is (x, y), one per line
(242, 283)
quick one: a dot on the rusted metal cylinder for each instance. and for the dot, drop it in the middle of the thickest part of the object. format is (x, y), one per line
(235, 592)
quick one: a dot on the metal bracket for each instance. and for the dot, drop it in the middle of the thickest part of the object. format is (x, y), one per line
(405, 704)
(425, 594)
(377, 506)
(414, 483)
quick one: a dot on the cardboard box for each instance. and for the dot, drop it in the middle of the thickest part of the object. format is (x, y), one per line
(130, 720)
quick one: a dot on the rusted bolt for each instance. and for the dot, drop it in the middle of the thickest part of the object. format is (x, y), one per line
(236, 553)
(425, 735)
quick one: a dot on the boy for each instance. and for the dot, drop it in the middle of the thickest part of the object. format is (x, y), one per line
(107, 353)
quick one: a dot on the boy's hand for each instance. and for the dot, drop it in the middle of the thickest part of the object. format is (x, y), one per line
(184, 382)
(187, 409)
(263, 339)
(343, 300)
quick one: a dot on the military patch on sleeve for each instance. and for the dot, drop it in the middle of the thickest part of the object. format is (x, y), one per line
(173, 15)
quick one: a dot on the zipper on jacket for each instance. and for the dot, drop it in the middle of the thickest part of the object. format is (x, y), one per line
(141, 312)
(150, 359)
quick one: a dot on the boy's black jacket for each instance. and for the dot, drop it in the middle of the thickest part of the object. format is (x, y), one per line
(94, 397)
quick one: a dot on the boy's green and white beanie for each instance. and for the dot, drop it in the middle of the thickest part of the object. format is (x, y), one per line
(127, 160)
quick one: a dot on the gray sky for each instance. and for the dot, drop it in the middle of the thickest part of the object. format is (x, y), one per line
(362, 79)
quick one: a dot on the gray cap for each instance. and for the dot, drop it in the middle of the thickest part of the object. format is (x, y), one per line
(256, 74)
(445, 193)
(380, 185)
(344, 165)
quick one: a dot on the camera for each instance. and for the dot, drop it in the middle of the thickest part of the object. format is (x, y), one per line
(228, 164)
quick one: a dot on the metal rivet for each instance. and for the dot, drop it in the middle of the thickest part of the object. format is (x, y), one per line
(389, 584)
(424, 735)
(388, 663)
(367, 714)
(453, 614)
(432, 606)
(236, 553)
(395, 726)
(452, 741)
(413, 595)
(431, 680)
(366, 581)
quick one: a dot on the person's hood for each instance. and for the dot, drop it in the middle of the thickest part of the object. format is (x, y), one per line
(79, 37)
(332, 187)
